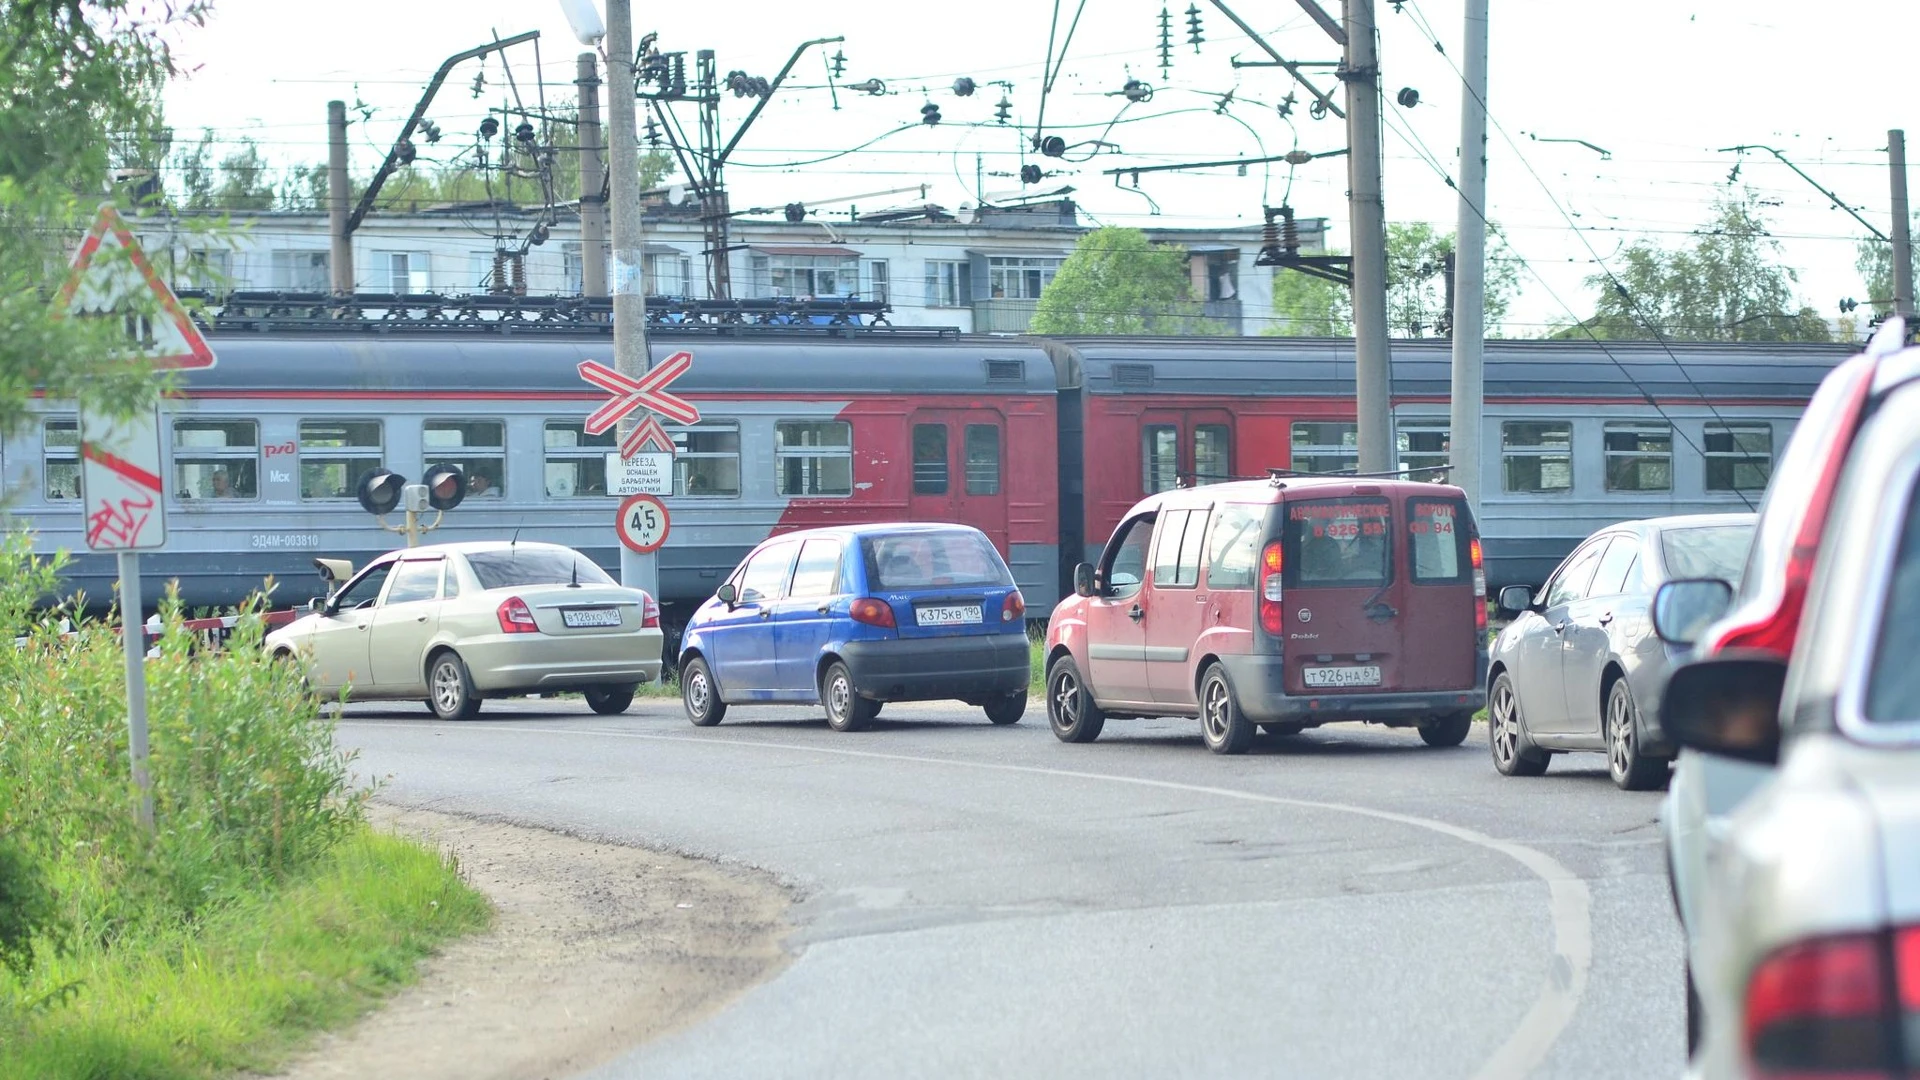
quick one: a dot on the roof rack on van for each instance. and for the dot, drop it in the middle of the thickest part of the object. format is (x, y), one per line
(1277, 475)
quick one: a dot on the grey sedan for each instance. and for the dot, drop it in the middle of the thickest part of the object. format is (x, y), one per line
(1580, 668)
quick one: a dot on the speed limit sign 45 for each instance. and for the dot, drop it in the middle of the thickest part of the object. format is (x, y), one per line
(643, 523)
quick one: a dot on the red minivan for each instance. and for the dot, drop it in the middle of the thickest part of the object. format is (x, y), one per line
(1286, 603)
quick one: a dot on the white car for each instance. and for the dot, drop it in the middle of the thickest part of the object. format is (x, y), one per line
(453, 624)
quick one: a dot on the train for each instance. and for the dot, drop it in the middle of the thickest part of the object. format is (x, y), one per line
(1042, 443)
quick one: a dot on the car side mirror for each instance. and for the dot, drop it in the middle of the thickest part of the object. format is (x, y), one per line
(728, 594)
(1083, 583)
(1682, 610)
(317, 606)
(1515, 599)
(1726, 705)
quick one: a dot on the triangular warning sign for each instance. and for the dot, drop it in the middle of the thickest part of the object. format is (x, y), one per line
(108, 287)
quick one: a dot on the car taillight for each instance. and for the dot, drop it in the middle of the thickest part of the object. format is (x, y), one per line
(871, 611)
(1479, 585)
(1014, 607)
(1820, 1008)
(516, 617)
(649, 613)
(1271, 561)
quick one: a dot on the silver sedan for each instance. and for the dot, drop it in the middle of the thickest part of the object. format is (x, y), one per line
(455, 623)
(1580, 668)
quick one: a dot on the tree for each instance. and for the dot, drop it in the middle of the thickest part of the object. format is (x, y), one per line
(1874, 260)
(1417, 297)
(1119, 282)
(1308, 306)
(1729, 285)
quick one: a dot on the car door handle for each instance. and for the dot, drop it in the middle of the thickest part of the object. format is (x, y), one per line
(1560, 627)
(824, 608)
(422, 618)
(1136, 614)
(765, 614)
(1606, 618)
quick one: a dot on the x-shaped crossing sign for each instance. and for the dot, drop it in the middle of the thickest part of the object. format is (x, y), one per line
(646, 392)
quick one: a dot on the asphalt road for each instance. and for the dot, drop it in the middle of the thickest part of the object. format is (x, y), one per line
(985, 901)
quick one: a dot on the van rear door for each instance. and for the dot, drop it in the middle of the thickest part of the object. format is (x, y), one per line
(1342, 600)
(1439, 620)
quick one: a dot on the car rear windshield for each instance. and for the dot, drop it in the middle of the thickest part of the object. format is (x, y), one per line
(1337, 542)
(1893, 690)
(1707, 551)
(513, 567)
(1437, 542)
(929, 560)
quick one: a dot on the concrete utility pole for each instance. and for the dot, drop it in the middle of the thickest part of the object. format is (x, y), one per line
(630, 355)
(1902, 234)
(593, 205)
(1469, 292)
(339, 198)
(1373, 376)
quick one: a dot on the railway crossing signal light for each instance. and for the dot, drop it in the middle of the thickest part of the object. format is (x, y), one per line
(379, 491)
(929, 114)
(446, 486)
(1193, 26)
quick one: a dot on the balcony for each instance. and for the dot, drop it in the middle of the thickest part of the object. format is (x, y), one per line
(1003, 315)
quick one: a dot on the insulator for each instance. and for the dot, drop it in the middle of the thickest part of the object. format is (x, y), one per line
(1289, 231)
(519, 275)
(1270, 233)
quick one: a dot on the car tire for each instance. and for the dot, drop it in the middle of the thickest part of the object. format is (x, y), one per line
(1513, 751)
(450, 692)
(1630, 769)
(1282, 731)
(1224, 727)
(846, 709)
(1071, 711)
(609, 700)
(1450, 729)
(699, 694)
(1008, 709)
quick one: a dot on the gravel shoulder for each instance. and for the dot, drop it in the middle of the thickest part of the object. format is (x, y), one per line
(595, 947)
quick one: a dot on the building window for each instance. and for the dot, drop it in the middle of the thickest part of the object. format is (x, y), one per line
(1321, 446)
(983, 459)
(879, 281)
(403, 272)
(211, 270)
(814, 457)
(1019, 279)
(216, 459)
(1159, 458)
(477, 448)
(808, 275)
(1739, 456)
(707, 460)
(947, 284)
(576, 461)
(60, 447)
(1212, 453)
(1536, 455)
(1423, 450)
(301, 271)
(929, 459)
(1639, 457)
(668, 274)
(334, 454)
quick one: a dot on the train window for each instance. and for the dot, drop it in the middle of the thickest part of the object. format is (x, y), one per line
(1423, 448)
(576, 465)
(61, 449)
(1537, 455)
(707, 460)
(477, 448)
(1322, 447)
(1212, 453)
(1159, 457)
(334, 454)
(1639, 456)
(929, 459)
(1739, 456)
(983, 459)
(813, 457)
(216, 459)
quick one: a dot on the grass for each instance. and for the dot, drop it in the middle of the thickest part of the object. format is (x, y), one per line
(238, 988)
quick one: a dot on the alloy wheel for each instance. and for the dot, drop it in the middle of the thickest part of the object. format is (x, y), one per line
(1619, 735)
(1066, 698)
(1214, 711)
(447, 690)
(1506, 725)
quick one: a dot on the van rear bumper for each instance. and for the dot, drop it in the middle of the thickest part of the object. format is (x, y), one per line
(1259, 686)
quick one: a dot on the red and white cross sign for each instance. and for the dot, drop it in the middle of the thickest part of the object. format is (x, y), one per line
(648, 392)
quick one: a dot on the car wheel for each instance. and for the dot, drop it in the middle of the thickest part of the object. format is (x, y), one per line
(1448, 730)
(1071, 712)
(609, 700)
(1281, 731)
(1631, 769)
(1513, 752)
(699, 694)
(1224, 727)
(846, 709)
(1008, 709)
(452, 694)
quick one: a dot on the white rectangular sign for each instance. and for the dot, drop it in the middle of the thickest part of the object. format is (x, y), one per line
(121, 483)
(642, 474)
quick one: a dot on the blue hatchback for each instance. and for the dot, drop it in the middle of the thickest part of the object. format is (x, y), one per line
(857, 616)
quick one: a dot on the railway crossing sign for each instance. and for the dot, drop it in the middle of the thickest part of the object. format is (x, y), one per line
(120, 479)
(643, 523)
(640, 474)
(110, 276)
(647, 392)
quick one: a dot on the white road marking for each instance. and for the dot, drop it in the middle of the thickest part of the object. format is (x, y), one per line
(1569, 902)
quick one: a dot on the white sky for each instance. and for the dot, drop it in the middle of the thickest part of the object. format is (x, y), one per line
(1660, 84)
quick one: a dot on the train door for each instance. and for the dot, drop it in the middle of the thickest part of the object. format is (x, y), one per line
(1185, 447)
(958, 470)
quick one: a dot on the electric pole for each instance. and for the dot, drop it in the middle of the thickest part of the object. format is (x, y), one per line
(339, 233)
(1469, 292)
(630, 355)
(1373, 376)
(1902, 234)
(593, 204)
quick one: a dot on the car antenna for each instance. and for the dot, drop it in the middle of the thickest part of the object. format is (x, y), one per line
(575, 583)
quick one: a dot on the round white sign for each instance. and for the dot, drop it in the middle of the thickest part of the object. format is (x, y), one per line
(643, 524)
